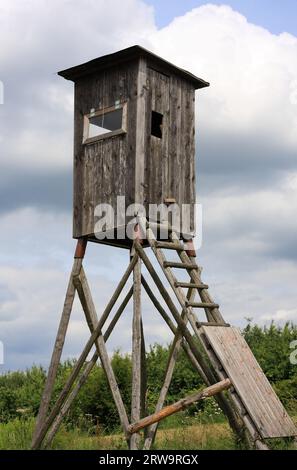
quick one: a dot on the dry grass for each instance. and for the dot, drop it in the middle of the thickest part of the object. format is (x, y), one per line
(204, 436)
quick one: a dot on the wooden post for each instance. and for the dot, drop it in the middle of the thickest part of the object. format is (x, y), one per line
(80, 362)
(60, 339)
(136, 353)
(143, 375)
(65, 407)
(81, 381)
(173, 355)
(179, 405)
(85, 296)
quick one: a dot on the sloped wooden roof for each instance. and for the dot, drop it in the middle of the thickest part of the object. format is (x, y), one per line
(133, 52)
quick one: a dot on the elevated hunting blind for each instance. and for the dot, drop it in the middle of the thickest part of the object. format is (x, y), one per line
(134, 138)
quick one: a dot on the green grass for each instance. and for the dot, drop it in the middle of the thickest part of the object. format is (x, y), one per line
(185, 436)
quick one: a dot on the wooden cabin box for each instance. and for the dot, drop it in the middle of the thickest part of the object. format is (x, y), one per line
(134, 136)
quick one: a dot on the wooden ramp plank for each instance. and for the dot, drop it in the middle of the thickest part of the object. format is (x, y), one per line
(250, 382)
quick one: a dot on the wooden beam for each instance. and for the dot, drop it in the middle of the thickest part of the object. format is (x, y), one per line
(136, 352)
(65, 407)
(143, 375)
(173, 355)
(85, 374)
(180, 405)
(85, 296)
(173, 328)
(58, 346)
(80, 362)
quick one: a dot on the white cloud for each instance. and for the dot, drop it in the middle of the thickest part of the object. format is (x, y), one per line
(250, 71)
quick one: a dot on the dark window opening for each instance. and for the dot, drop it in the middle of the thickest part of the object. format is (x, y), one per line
(110, 121)
(156, 126)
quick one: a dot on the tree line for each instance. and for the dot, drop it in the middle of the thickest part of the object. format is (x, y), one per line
(20, 391)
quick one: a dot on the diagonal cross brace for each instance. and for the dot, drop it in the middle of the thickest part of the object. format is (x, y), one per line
(80, 362)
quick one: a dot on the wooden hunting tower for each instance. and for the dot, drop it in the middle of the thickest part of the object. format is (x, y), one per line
(134, 135)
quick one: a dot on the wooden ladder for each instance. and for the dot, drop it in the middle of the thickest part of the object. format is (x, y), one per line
(213, 316)
(194, 286)
(251, 429)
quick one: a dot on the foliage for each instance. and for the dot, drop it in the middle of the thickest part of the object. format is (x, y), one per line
(93, 412)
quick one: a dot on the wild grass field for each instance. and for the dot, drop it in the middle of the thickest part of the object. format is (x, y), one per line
(17, 435)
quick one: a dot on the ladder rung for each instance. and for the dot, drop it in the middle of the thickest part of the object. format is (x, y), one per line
(169, 246)
(202, 304)
(211, 323)
(173, 264)
(191, 285)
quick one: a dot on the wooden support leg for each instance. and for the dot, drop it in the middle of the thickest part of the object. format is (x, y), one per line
(85, 296)
(136, 353)
(82, 380)
(65, 407)
(80, 362)
(60, 339)
(143, 375)
(173, 355)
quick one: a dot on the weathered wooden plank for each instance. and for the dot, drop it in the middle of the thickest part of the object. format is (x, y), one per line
(251, 384)
(156, 175)
(179, 405)
(140, 132)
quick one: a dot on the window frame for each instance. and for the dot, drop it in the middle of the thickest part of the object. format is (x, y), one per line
(107, 134)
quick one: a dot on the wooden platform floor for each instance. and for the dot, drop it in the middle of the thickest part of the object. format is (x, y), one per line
(249, 381)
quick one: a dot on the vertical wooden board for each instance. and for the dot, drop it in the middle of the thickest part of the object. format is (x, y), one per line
(139, 194)
(187, 187)
(175, 138)
(157, 152)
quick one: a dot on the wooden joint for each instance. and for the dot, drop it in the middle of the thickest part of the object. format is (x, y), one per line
(81, 248)
(169, 200)
(190, 249)
(138, 233)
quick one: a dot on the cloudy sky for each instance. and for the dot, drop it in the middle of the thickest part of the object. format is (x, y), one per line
(246, 158)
